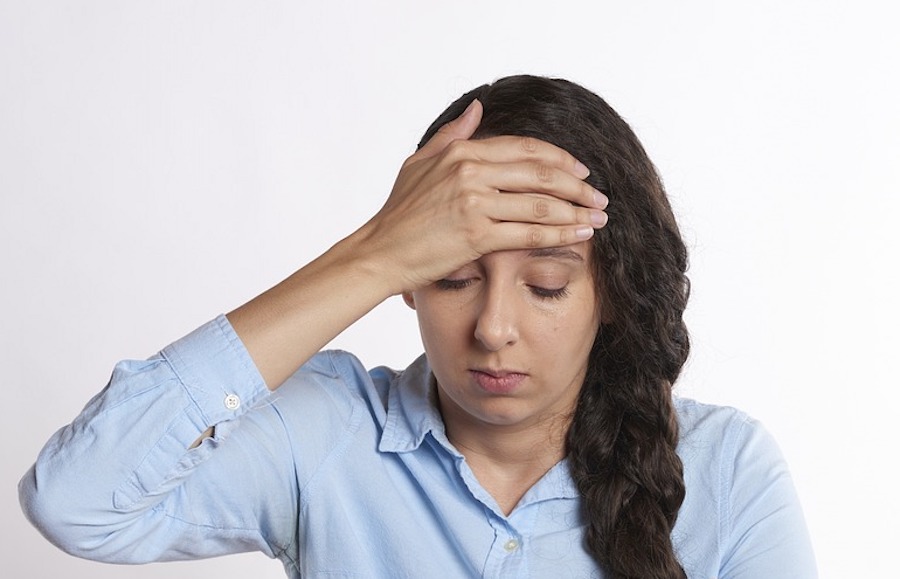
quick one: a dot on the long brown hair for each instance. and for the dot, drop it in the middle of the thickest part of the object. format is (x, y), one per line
(622, 438)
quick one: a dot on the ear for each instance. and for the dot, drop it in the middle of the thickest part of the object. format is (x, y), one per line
(410, 301)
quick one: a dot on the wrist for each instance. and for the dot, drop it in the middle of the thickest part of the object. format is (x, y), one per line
(367, 262)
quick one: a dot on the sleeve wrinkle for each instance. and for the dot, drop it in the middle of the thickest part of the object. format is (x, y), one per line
(350, 422)
(727, 463)
(104, 486)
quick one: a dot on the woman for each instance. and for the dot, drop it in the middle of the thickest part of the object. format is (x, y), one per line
(537, 436)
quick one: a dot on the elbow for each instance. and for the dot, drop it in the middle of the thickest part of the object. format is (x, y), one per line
(55, 513)
(47, 513)
(84, 526)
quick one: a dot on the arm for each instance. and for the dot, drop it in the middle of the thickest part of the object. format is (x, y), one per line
(114, 484)
(123, 482)
(449, 205)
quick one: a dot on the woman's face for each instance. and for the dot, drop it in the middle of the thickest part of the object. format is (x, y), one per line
(508, 336)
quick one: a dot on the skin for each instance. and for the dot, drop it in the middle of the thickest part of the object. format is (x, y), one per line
(455, 201)
(508, 338)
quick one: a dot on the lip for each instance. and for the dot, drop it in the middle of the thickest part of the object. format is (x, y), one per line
(497, 381)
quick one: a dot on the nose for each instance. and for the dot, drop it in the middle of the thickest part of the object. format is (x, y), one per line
(496, 326)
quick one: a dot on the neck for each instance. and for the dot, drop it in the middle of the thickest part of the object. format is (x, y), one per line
(506, 459)
(509, 447)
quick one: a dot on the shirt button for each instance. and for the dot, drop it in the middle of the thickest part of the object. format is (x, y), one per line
(232, 402)
(511, 545)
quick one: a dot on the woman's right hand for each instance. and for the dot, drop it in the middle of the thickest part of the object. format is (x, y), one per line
(454, 200)
(457, 199)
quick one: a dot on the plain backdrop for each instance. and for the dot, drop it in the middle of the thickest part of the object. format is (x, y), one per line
(162, 162)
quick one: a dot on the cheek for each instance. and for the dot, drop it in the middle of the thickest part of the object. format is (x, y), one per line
(570, 337)
(561, 338)
(442, 327)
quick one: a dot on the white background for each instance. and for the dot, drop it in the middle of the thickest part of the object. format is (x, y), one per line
(163, 162)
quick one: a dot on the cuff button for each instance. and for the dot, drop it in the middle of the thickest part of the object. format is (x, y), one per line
(232, 402)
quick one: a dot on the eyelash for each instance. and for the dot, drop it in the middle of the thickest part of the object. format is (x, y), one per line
(540, 292)
(454, 284)
(550, 294)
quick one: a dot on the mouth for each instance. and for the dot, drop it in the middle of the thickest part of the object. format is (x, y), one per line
(497, 381)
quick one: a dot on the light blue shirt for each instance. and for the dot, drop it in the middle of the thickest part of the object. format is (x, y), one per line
(348, 473)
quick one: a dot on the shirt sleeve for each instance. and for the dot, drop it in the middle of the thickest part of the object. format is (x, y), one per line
(763, 529)
(119, 484)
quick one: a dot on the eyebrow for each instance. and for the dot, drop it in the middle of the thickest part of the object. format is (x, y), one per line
(557, 252)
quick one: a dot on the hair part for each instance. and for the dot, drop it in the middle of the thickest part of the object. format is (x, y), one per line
(624, 431)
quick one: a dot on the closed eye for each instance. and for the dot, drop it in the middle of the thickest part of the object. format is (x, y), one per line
(454, 284)
(548, 293)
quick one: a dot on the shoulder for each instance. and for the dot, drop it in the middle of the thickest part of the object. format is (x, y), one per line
(724, 448)
(739, 495)
(328, 405)
(734, 446)
(336, 383)
(702, 419)
(724, 435)
(716, 431)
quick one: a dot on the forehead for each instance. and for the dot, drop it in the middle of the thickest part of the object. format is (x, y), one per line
(561, 253)
(577, 255)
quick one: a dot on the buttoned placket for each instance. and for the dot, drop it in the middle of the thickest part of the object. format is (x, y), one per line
(509, 553)
(507, 556)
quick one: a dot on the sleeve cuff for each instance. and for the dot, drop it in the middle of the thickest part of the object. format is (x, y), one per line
(216, 371)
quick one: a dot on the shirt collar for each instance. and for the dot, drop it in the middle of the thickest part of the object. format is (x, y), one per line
(412, 413)
(412, 409)
(556, 484)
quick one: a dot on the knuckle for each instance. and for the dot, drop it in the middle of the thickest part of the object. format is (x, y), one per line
(533, 237)
(528, 144)
(578, 215)
(465, 169)
(544, 173)
(541, 208)
(469, 203)
(583, 214)
(457, 149)
(456, 145)
(475, 236)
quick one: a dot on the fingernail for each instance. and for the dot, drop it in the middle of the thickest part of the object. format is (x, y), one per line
(469, 108)
(598, 219)
(584, 232)
(600, 200)
(581, 170)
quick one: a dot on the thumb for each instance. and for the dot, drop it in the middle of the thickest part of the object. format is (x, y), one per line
(462, 127)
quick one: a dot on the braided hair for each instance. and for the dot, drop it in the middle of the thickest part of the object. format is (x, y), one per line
(623, 433)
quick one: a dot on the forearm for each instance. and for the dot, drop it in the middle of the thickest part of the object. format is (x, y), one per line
(285, 326)
(448, 207)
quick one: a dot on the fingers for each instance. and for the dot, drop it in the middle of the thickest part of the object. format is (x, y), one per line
(534, 236)
(457, 199)
(542, 209)
(508, 149)
(461, 127)
(528, 177)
